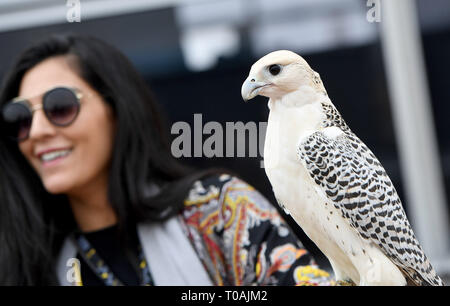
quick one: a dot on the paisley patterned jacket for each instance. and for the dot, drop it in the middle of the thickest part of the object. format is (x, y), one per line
(241, 239)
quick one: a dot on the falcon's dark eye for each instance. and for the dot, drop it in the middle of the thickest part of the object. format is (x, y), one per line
(274, 69)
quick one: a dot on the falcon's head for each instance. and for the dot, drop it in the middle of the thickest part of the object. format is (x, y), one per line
(279, 73)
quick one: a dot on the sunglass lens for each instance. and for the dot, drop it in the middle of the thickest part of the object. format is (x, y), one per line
(61, 106)
(17, 117)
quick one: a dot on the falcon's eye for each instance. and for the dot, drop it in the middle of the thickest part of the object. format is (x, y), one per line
(274, 69)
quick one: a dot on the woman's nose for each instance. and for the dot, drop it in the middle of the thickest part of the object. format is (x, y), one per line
(40, 126)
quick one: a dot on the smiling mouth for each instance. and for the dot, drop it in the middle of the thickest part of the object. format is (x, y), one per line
(54, 156)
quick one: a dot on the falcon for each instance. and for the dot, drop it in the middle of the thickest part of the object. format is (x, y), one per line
(330, 182)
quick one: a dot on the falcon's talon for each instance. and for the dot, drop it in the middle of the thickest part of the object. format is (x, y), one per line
(345, 283)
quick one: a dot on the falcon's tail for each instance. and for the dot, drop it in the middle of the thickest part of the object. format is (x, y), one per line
(414, 278)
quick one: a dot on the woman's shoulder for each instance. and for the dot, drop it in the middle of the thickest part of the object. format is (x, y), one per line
(208, 189)
(219, 189)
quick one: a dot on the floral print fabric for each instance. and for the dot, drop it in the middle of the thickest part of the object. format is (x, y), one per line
(241, 238)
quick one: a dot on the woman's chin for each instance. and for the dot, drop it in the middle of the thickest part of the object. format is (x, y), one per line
(56, 187)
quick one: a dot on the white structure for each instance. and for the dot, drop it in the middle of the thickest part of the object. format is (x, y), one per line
(414, 127)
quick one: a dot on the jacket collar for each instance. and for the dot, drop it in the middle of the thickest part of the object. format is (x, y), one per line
(170, 255)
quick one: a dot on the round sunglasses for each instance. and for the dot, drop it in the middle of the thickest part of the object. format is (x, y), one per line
(61, 106)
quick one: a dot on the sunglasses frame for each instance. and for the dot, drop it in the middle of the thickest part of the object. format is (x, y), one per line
(33, 108)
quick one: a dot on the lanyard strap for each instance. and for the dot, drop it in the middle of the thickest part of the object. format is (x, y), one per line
(103, 271)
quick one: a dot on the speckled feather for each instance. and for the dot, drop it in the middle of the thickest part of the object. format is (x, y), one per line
(356, 182)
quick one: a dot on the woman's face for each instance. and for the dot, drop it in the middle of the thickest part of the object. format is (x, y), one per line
(89, 139)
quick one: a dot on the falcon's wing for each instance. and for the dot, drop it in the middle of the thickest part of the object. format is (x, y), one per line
(357, 184)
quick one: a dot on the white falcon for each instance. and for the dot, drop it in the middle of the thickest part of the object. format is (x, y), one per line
(330, 182)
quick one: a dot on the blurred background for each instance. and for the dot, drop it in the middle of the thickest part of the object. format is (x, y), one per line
(386, 70)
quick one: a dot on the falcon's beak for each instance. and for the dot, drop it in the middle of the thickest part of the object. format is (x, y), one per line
(251, 88)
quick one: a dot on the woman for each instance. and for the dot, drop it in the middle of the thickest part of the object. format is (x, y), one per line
(86, 173)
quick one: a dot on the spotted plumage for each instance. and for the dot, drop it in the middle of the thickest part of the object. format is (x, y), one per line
(329, 181)
(358, 186)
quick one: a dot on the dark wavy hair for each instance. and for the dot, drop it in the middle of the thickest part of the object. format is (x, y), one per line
(33, 223)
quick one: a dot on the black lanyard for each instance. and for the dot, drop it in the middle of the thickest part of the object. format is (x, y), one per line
(103, 271)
